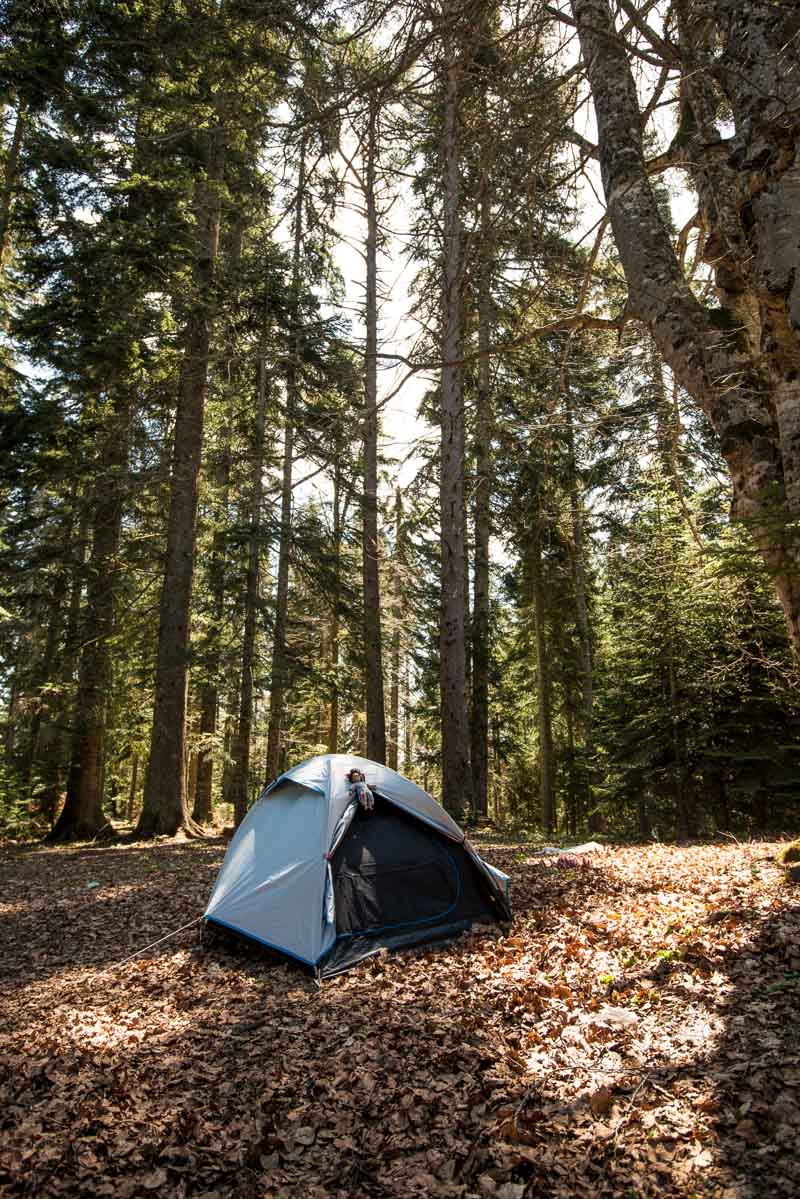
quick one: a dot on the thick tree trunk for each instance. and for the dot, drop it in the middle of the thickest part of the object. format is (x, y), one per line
(546, 755)
(456, 781)
(245, 727)
(164, 806)
(82, 816)
(482, 516)
(741, 366)
(279, 656)
(373, 657)
(211, 652)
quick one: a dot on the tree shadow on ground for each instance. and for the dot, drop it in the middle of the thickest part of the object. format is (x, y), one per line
(66, 910)
(753, 1071)
(462, 1070)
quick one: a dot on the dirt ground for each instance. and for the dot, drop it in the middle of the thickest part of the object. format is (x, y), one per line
(633, 1034)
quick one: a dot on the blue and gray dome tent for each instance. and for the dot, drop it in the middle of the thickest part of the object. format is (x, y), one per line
(310, 874)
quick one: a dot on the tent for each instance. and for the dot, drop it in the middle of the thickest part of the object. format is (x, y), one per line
(312, 875)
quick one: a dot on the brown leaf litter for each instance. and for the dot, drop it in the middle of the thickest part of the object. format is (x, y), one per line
(632, 1035)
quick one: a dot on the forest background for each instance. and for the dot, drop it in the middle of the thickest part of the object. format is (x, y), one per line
(514, 509)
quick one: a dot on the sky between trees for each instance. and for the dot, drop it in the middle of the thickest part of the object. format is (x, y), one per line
(237, 530)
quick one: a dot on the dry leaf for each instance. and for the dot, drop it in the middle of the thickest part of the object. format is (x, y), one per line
(463, 1068)
(601, 1101)
(154, 1180)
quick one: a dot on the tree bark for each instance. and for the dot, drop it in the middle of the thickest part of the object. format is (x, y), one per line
(245, 727)
(82, 816)
(482, 517)
(52, 619)
(209, 705)
(750, 392)
(164, 806)
(373, 658)
(456, 788)
(134, 787)
(578, 556)
(408, 722)
(397, 619)
(54, 745)
(212, 650)
(546, 756)
(573, 788)
(228, 743)
(333, 716)
(279, 656)
(10, 180)
(49, 681)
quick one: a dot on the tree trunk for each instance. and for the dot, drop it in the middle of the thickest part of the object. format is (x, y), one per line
(245, 728)
(645, 825)
(662, 411)
(742, 365)
(82, 816)
(209, 703)
(573, 789)
(10, 180)
(482, 516)
(164, 806)
(397, 620)
(191, 772)
(456, 788)
(44, 671)
(228, 743)
(209, 689)
(546, 757)
(578, 563)
(373, 658)
(54, 745)
(682, 815)
(279, 657)
(333, 718)
(408, 723)
(133, 788)
(671, 629)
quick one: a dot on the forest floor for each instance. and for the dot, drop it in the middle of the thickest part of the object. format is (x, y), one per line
(633, 1034)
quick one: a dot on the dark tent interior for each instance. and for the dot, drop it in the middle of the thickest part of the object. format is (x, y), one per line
(397, 881)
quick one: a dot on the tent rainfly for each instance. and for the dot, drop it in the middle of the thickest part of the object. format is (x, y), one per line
(311, 875)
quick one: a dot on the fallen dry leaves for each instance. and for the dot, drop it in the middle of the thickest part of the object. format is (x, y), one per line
(633, 1034)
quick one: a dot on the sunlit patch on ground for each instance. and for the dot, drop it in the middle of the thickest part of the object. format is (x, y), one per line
(633, 1035)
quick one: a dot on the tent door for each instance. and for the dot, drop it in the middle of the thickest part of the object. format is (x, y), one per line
(391, 872)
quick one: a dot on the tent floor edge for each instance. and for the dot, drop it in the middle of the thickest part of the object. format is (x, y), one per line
(275, 953)
(372, 946)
